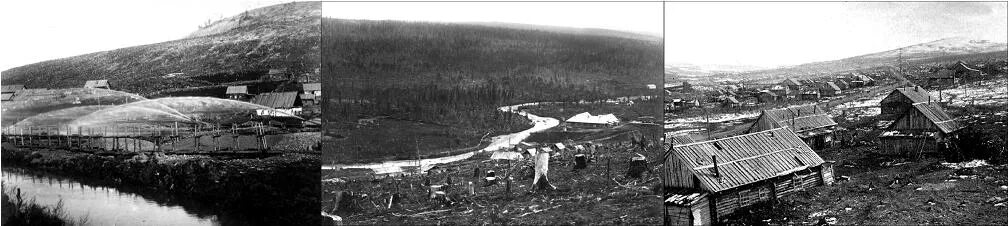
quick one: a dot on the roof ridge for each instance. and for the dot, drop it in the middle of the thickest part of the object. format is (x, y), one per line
(748, 134)
(746, 158)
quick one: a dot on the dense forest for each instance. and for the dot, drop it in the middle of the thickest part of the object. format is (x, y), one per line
(392, 67)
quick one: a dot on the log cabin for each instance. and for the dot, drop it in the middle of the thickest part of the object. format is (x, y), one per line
(812, 124)
(709, 180)
(924, 129)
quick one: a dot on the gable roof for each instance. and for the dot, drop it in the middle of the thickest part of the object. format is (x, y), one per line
(936, 115)
(792, 81)
(311, 86)
(916, 94)
(12, 88)
(6, 96)
(962, 65)
(96, 84)
(861, 77)
(276, 100)
(833, 86)
(745, 159)
(237, 90)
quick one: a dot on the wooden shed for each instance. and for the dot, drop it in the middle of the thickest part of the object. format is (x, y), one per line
(812, 124)
(237, 93)
(11, 89)
(924, 129)
(830, 89)
(901, 100)
(740, 171)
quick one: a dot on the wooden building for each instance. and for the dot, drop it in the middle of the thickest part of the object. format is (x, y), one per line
(767, 96)
(237, 93)
(860, 80)
(11, 89)
(900, 100)
(810, 95)
(923, 129)
(812, 124)
(782, 91)
(97, 84)
(830, 89)
(793, 84)
(736, 172)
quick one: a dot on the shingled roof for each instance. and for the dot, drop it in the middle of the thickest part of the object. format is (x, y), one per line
(915, 94)
(934, 114)
(805, 120)
(745, 159)
(276, 100)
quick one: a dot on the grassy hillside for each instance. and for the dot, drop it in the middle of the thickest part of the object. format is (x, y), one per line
(457, 75)
(234, 49)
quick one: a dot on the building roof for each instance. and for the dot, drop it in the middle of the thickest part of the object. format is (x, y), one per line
(276, 100)
(963, 65)
(861, 77)
(805, 120)
(916, 94)
(681, 139)
(307, 96)
(792, 82)
(237, 90)
(96, 84)
(937, 116)
(943, 73)
(274, 71)
(308, 87)
(731, 99)
(6, 96)
(833, 86)
(745, 159)
(12, 88)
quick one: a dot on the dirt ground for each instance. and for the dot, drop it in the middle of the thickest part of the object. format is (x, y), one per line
(585, 196)
(873, 189)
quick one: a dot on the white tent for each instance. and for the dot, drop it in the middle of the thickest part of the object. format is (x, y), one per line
(508, 155)
(585, 117)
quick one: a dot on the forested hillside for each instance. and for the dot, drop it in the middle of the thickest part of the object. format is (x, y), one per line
(390, 67)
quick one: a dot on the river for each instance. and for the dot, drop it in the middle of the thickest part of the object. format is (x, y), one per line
(99, 205)
(496, 143)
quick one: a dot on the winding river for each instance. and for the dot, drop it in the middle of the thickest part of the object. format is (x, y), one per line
(496, 143)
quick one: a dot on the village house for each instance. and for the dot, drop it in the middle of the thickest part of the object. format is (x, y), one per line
(842, 84)
(311, 93)
(812, 124)
(781, 91)
(710, 179)
(925, 128)
(900, 100)
(793, 84)
(767, 96)
(811, 94)
(861, 80)
(239, 93)
(830, 89)
(97, 84)
(952, 75)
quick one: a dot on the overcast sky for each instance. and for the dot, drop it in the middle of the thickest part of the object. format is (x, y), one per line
(780, 33)
(36, 31)
(641, 17)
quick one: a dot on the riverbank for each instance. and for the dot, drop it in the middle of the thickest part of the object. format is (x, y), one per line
(19, 210)
(275, 190)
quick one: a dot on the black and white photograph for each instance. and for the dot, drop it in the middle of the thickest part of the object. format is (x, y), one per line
(161, 113)
(853, 113)
(117, 112)
(491, 112)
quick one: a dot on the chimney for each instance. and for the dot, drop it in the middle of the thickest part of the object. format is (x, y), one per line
(716, 172)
